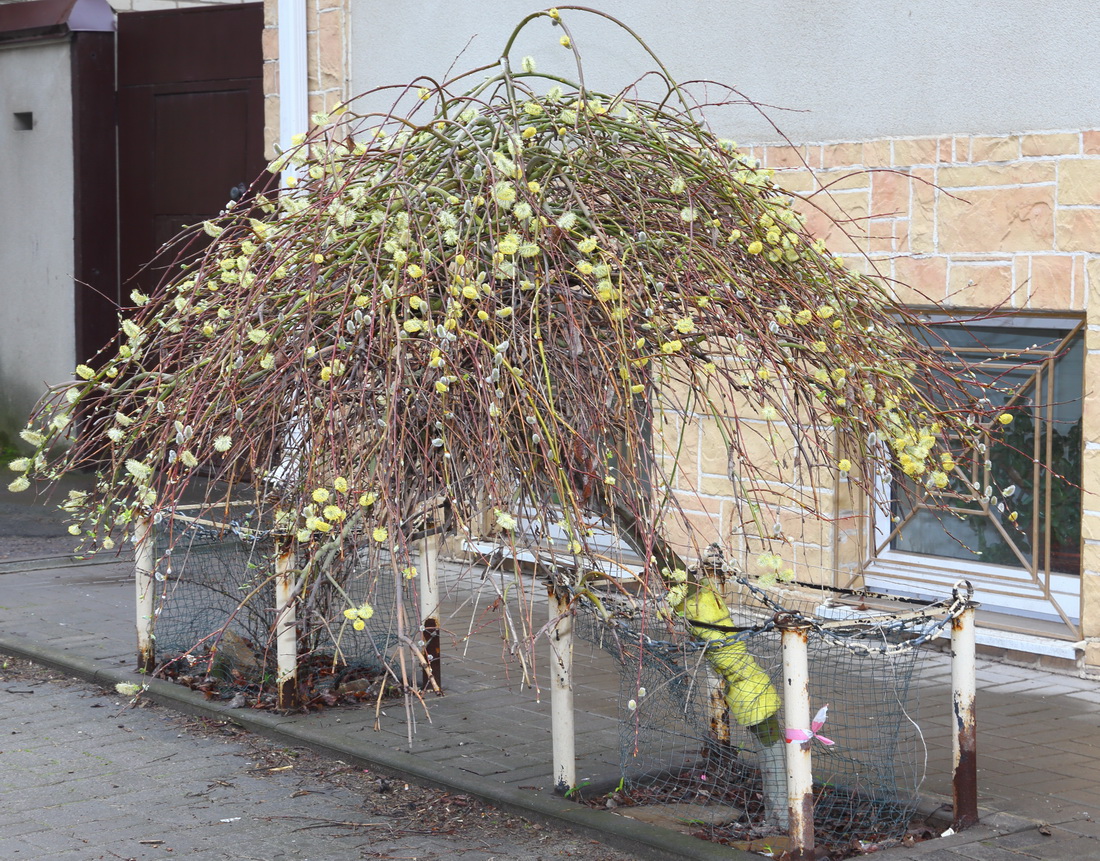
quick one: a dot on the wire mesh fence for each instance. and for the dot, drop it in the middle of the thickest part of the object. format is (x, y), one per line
(214, 594)
(681, 744)
(215, 611)
(701, 713)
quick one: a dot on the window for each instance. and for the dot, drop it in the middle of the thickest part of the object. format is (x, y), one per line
(1013, 521)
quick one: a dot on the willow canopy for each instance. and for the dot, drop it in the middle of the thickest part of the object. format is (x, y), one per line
(487, 299)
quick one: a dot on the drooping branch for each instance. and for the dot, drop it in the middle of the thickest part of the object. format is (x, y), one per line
(503, 297)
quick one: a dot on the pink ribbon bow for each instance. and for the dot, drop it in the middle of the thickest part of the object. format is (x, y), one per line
(806, 735)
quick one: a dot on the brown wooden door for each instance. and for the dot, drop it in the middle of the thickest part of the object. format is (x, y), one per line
(190, 124)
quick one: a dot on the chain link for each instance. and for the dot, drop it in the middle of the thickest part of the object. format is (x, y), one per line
(882, 633)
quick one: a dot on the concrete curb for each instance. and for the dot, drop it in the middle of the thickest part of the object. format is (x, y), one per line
(640, 838)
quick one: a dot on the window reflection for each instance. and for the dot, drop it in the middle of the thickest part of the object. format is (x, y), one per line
(1037, 458)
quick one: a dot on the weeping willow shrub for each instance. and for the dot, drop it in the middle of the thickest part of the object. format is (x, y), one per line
(483, 300)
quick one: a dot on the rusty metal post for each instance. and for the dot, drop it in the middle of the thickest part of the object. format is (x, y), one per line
(796, 714)
(964, 739)
(561, 691)
(286, 624)
(144, 586)
(429, 611)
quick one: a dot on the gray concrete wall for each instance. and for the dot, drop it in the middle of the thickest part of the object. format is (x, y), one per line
(37, 336)
(856, 69)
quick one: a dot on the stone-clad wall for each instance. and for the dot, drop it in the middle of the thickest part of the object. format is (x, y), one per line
(967, 221)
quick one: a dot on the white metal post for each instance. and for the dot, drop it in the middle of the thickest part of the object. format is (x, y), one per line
(144, 586)
(796, 714)
(286, 624)
(964, 738)
(429, 609)
(561, 691)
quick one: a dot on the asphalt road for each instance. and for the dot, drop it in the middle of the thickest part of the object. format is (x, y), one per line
(86, 775)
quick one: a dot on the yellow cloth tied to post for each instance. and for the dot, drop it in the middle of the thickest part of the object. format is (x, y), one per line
(750, 695)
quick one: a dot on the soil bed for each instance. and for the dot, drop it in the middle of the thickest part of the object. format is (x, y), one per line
(732, 815)
(321, 683)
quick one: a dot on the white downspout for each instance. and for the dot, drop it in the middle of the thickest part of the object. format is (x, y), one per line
(293, 120)
(293, 72)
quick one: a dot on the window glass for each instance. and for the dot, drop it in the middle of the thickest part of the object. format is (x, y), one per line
(1036, 525)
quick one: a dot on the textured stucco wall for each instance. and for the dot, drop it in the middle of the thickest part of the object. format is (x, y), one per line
(36, 228)
(857, 69)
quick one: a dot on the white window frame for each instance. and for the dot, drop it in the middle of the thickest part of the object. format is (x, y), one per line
(1000, 588)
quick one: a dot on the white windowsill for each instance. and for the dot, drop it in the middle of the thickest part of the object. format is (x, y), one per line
(991, 637)
(1022, 643)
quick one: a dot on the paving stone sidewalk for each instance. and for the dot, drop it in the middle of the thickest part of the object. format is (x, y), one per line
(1039, 732)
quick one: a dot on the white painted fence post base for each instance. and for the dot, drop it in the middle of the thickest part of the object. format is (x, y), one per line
(144, 587)
(561, 692)
(965, 737)
(431, 677)
(286, 625)
(796, 714)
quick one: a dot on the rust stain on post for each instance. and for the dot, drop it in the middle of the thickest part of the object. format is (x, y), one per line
(288, 693)
(802, 829)
(966, 777)
(147, 659)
